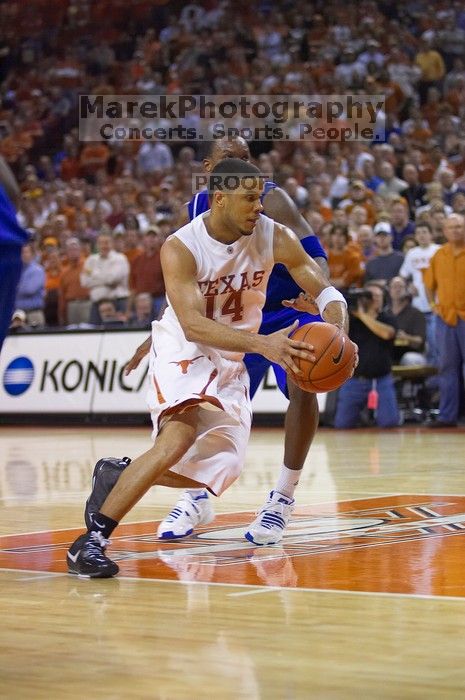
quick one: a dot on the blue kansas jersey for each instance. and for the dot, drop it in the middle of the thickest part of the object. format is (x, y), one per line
(280, 286)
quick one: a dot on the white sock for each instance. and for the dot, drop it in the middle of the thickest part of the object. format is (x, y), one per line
(195, 493)
(287, 481)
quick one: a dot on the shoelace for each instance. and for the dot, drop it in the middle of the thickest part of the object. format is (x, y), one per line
(98, 542)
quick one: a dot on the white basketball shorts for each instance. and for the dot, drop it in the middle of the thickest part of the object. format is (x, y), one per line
(183, 374)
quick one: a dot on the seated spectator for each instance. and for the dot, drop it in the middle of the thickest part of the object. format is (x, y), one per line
(409, 343)
(143, 312)
(317, 203)
(166, 204)
(146, 274)
(373, 330)
(357, 218)
(18, 322)
(449, 186)
(154, 158)
(365, 241)
(415, 192)
(433, 198)
(400, 224)
(109, 316)
(458, 202)
(388, 261)
(372, 180)
(132, 244)
(297, 193)
(391, 185)
(118, 240)
(431, 65)
(30, 295)
(408, 243)
(438, 213)
(359, 196)
(105, 274)
(93, 157)
(344, 260)
(73, 299)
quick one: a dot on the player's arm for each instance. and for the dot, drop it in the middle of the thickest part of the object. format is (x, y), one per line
(8, 180)
(143, 349)
(183, 216)
(180, 275)
(279, 206)
(136, 359)
(307, 274)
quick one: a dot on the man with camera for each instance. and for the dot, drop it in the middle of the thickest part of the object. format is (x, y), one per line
(372, 385)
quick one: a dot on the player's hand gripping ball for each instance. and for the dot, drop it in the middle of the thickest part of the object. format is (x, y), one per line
(336, 357)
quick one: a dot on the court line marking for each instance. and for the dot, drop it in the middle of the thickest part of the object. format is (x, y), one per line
(238, 512)
(251, 588)
(38, 575)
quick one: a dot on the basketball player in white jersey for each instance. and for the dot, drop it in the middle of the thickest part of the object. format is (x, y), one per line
(216, 270)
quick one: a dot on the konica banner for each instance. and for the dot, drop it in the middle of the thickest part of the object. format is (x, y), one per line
(83, 372)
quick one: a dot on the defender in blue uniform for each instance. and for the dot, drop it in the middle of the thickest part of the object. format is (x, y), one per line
(280, 286)
(12, 239)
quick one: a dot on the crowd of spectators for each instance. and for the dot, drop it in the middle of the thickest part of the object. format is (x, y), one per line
(99, 212)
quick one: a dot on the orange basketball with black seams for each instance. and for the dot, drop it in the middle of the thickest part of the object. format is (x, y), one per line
(335, 357)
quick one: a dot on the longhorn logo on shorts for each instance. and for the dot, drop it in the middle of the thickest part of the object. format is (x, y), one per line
(185, 364)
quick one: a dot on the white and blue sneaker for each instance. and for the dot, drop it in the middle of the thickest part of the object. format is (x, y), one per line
(185, 516)
(271, 521)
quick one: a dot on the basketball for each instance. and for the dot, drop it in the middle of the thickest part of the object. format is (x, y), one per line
(335, 357)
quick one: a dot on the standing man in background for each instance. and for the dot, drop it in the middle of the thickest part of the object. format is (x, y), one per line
(445, 287)
(416, 261)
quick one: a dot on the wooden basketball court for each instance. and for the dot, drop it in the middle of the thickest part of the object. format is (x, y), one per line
(364, 598)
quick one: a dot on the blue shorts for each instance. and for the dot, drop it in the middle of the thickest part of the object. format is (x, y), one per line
(257, 365)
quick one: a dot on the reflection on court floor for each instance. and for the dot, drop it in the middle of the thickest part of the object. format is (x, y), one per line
(409, 544)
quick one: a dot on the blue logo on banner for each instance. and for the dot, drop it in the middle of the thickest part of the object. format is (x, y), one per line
(18, 376)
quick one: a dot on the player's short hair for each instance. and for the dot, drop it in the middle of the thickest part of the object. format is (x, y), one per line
(230, 174)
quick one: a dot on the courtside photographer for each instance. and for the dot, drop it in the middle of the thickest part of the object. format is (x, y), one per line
(372, 385)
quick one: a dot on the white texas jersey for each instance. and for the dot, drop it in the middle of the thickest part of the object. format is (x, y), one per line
(232, 278)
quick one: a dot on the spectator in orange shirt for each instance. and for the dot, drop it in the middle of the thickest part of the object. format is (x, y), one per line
(70, 166)
(146, 274)
(432, 68)
(73, 298)
(359, 196)
(445, 287)
(344, 261)
(316, 202)
(94, 157)
(132, 247)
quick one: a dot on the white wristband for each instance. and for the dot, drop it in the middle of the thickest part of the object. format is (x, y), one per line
(326, 296)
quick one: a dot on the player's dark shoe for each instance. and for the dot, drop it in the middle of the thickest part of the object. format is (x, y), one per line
(107, 471)
(86, 557)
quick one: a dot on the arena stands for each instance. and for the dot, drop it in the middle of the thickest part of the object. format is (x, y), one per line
(412, 52)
